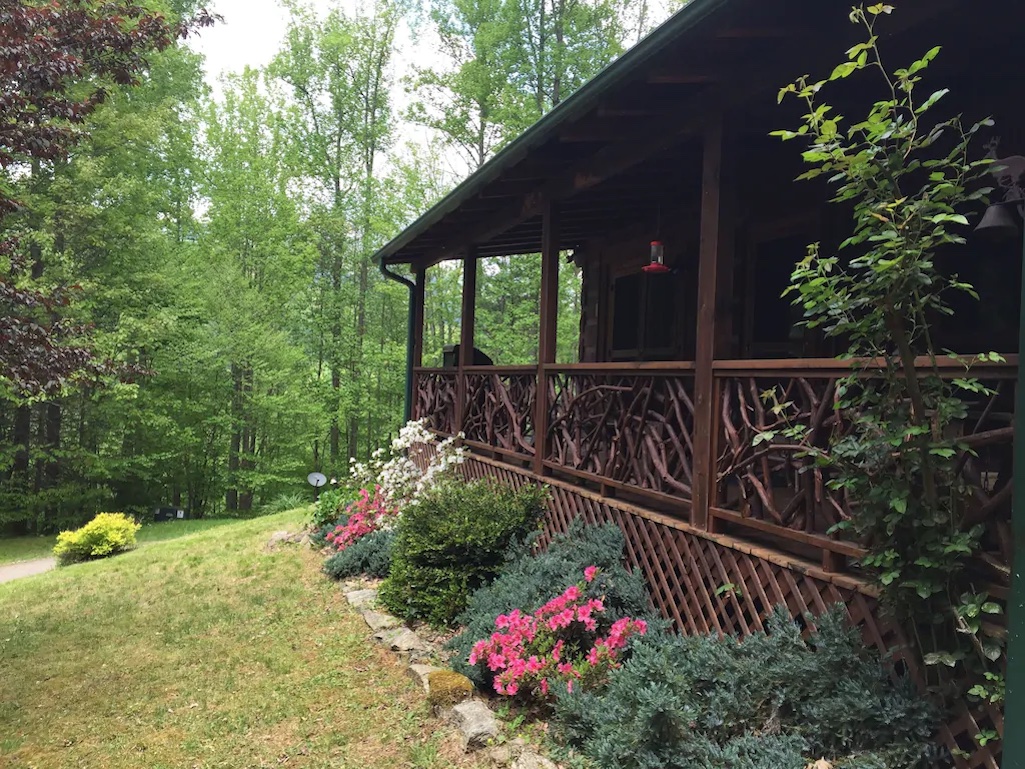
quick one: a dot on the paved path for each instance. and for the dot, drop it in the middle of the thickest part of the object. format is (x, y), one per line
(26, 568)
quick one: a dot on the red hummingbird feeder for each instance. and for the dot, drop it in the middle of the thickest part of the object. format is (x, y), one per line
(658, 259)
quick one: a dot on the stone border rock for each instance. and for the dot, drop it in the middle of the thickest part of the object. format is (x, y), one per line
(477, 725)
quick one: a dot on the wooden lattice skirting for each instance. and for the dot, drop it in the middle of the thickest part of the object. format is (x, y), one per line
(686, 568)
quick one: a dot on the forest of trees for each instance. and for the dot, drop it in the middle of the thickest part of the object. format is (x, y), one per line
(207, 258)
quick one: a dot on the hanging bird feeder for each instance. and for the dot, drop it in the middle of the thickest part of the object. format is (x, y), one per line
(658, 258)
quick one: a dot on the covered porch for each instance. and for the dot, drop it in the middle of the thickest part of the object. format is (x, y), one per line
(668, 421)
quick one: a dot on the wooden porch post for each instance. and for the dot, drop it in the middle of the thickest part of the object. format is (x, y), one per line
(714, 332)
(415, 341)
(547, 336)
(420, 285)
(466, 324)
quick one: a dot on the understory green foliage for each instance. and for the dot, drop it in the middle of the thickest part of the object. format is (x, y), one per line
(771, 701)
(453, 541)
(285, 502)
(330, 505)
(106, 534)
(369, 555)
(532, 578)
(908, 176)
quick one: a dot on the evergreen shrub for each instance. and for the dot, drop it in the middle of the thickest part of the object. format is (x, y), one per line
(369, 555)
(533, 578)
(453, 541)
(771, 701)
(106, 534)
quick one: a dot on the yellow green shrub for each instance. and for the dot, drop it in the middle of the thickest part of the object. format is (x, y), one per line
(106, 534)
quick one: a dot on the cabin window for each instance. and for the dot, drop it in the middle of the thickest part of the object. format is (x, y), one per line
(771, 325)
(645, 317)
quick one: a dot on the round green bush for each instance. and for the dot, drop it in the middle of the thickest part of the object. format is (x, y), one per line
(453, 541)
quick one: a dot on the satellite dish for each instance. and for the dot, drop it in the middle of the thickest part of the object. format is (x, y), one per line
(316, 479)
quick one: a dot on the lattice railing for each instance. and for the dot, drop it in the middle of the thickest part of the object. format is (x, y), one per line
(686, 570)
(500, 406)
(435, 397)
(632, 428)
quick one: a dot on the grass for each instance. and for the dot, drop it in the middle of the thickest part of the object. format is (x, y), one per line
(16, 549)
(204, 651)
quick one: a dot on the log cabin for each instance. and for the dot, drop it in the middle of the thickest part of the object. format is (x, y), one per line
(653, 427)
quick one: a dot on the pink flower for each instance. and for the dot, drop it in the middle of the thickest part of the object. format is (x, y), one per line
(544, 686)
(589, 573)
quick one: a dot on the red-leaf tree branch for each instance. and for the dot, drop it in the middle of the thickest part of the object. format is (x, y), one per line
(56, 60)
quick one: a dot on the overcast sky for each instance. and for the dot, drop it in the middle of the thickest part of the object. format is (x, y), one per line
(250, 34)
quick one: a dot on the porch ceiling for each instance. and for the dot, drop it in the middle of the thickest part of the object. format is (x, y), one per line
(624, 143)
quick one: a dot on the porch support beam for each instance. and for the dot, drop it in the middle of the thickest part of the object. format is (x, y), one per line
(547, 333)
(714, 276)
(466, 331)
(418, 299)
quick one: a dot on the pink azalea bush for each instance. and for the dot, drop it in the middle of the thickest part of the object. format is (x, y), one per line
(366, 514)
(557, 645)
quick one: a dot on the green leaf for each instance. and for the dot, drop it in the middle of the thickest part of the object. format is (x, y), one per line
(844, 70)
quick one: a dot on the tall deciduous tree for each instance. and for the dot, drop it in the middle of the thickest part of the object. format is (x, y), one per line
(336, 70)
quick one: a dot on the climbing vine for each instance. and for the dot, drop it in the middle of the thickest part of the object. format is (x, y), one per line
(907, 178)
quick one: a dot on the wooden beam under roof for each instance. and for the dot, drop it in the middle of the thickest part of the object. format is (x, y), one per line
(680, 121)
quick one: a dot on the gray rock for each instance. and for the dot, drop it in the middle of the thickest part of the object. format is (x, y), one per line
(477, 725)
(500, 754)
(529, 760)
(361, 599)
(425, 656)
(278, 538)
(378, 620)
(386, 636)
(405, 640)
(420, 671)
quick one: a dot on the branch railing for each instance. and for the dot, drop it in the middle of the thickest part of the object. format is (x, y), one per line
(628, 428)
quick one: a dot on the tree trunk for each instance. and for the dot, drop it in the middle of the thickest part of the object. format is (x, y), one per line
(235, 447)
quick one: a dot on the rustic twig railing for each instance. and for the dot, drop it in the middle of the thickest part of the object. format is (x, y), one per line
(500, 407)
(629, 427)
(435, 398)
(767, 482)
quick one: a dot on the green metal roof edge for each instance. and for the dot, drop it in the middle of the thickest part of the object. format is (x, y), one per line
(575, 105)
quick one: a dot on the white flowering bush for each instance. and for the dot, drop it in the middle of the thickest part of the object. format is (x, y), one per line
(393, 470)
(377, 491)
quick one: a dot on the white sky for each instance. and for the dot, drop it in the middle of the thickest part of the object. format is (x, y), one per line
(250, 34)
(252, 31)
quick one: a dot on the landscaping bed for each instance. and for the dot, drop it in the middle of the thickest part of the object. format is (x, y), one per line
(565, 639)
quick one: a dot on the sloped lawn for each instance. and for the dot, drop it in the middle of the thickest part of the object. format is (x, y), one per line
(203, 651)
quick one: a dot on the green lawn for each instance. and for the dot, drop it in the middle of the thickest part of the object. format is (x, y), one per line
(27, 548)
(199, 652)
